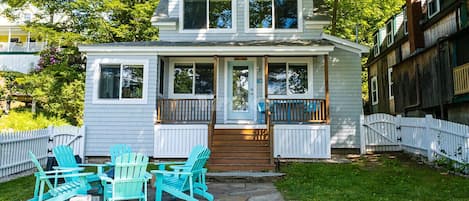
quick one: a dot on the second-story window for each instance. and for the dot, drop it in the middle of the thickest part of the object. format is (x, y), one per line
(376, 44)
(390, 32)
(433, 7)
(276, 14)
(208, 14)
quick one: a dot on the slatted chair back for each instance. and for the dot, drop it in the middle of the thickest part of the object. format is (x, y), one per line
(195, 164)
(129, 175)
(40, 170)
(65, 158)
(117, 150)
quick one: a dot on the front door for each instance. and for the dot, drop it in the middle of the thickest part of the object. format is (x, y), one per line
(240, 90)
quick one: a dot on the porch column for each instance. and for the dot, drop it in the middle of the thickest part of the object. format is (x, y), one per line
(9, 39)
(266, 90)
(326, 84)
(28, 43)
(215, 70)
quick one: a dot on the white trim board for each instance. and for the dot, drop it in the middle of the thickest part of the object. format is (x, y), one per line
(214, 50)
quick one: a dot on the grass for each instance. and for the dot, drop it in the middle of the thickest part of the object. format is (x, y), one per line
(375, 179)
(22, 188)
(19, 120)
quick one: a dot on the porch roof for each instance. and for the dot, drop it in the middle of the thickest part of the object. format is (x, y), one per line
(221, 48)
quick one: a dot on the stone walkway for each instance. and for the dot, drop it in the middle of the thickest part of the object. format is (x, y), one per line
(224, 192)
(235, 192)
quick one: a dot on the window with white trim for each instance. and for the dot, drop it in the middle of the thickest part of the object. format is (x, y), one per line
(287, 78)
(193, 78)
(433, 7)
(376, 44)
(390, 84)
(374, 90)
(207, 14)
(273, 14)
(120, 81)
(390, 32)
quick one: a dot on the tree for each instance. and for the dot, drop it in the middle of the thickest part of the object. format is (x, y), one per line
(365, 15)
(57, 84)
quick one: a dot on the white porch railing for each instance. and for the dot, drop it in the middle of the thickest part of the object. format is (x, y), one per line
(426, 136)
(302, 141)
(22, 47)
(176, 141)
(14, 147)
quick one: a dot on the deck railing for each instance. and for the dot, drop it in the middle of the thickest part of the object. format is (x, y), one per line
(22, 47)
(184, 110)
(298, 110)
(461, 79)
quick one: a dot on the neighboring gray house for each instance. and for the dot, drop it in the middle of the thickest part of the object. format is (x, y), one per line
(251, 79)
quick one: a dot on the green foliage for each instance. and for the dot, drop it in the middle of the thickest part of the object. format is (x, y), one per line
(58, 84)
(58, 81)
(385, 180)
(25, 120)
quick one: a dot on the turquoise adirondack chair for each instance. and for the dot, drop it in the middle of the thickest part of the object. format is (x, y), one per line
(66, 160)
(57, 192)
(117, 150)
(129, 178)
(188, 177)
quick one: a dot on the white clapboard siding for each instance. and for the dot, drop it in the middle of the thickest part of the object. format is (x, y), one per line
(302, 141)
(14, 146)
(176, 141)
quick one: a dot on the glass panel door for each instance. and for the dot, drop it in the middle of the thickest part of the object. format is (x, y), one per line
(240, 90)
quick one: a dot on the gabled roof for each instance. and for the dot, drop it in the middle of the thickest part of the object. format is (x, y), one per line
(345, 44)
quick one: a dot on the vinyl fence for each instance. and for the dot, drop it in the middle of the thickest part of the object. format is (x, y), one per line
(14, 147)
(425, 136)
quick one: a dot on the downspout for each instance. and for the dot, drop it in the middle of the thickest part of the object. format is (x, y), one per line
(439, 75)
(417, 91)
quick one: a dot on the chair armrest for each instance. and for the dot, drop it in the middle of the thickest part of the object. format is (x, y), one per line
(99, 167)
(162, 165)
(157, 172)
(60, 171)
(178, 167)
(66, 175)
(68, 168)
(105, 178)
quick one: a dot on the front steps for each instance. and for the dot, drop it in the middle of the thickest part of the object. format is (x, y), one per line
(240, 150)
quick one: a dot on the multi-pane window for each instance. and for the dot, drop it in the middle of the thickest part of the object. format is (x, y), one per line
(390, 84)
(390, 32)
(376, 44)
(277, 14)
(118, 81)
(374, 90)
(208, 14)
(287, 78)
(193, 78)
(433, 7)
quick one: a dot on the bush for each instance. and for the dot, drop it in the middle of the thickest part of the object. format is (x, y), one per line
(25, 120)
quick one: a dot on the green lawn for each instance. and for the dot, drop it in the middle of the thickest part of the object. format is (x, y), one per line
(371, 179)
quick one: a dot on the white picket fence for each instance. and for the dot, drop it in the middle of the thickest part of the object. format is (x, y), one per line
(425, 136)
(14, 147)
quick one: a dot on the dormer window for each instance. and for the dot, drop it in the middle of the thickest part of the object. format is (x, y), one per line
(273, 14)
(376, 44)
(406, 22)
(390, 32)
(433, 7)
(207, 14)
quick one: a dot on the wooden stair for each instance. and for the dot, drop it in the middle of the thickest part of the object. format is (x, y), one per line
(240, 150)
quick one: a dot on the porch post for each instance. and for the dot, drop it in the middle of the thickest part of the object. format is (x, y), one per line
(215, 70)
(326, 83)
(9, 39)
(266, 92)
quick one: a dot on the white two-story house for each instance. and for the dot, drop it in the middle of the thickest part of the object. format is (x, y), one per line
(251, 79)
